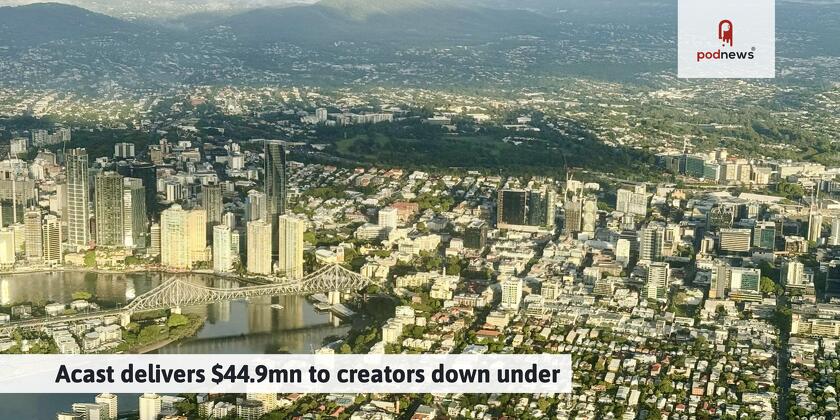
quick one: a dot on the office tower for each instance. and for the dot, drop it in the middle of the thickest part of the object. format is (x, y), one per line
(651, 240)
(109, 209)
(290, 230)
(589, 221)
(259, 247)
(211, 200)
(256, 206)
(321, 114)
(275, 178)
(764, 235)
(475, 236)
(135, 216)
(745, 279)
(34, 236)
(834, 239)
(229, 220)
(388, 217)
(78, 199)
(657, 281)
(633, 202)
(815, 220)
(70, 416)
(183, 237)
(124, 150)
(7, 248)
(735, 240)
(511, 292)
(574, 217)
(249, 410)
(149, 406)
(110, 401)
(622, 251)
(793, 273)
(147, 173)
(154, 239)
(222, 249)
(719, 281)
(512, 208)
(51, 229)
(19, 230)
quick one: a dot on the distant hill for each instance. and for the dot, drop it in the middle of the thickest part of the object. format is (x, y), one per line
(47, 22)
(372, 20)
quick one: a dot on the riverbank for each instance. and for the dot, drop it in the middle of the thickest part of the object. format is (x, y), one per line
(255, 280)
(194, 328)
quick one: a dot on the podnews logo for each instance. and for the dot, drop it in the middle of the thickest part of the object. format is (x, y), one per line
(725, 34)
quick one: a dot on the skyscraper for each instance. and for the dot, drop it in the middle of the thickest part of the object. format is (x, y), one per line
(34, 236)
(135, 218)
(147, 172)
(275, 178)
(256, 206)
(109, 209)
(182, 237)
(657, 281)
(7, 248)
(222, 249)
(651, 240)
(511, 292)
(291, 230)
(51, 229)
(259, 247)
(78, 199)
(590, 215)
(815, 220)
(764, 235)
(211, 200)
(388, 217)
(573, 210)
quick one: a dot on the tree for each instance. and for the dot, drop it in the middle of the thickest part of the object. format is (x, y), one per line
(81, 295)
(768, 286)
(177, 320)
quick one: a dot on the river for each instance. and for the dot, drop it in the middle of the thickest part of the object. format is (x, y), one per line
(245, 327)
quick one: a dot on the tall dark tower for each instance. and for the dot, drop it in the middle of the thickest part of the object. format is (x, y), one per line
(147, 172)
(275, 189)
(275, 178)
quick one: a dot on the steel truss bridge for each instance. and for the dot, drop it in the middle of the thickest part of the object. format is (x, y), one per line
(177, 292)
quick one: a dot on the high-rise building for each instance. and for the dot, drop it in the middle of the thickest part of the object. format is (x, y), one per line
(290, 262)
(52, 238)
(764, 235)
(651, 241)
(91, 411)
(834, 239)
(135, 216)
(256, 206)
(124, 150)
(275, 178)
(110, 401)
(526, 209)
(573, 210)
(150, 406)
(109, 209)
(268, 400)
(321, 114)
(229, 220)
(211, 200)
(388, 217)
(735, 240)
(511, 292)
(815, 220)
(222, 249)
(719, 281)
(512, 208)
(147, 173)
(589, 220)
(475, 236)
(183, 238)
(78, 199)
(7, 248)
(793, 273)
(259, 247)
(657, 283)
(34, 236)
(154, 240)
(622, 251)
(632, 201)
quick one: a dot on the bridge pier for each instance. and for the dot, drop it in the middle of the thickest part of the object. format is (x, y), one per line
(334, 297)
(125, 319)
(175, 310)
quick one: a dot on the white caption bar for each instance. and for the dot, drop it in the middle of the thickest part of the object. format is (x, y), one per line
(286, 373)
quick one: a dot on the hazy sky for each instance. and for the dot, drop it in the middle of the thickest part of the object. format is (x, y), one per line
(162, 8)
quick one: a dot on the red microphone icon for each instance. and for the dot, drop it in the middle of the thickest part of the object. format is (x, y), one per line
(725, 31)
